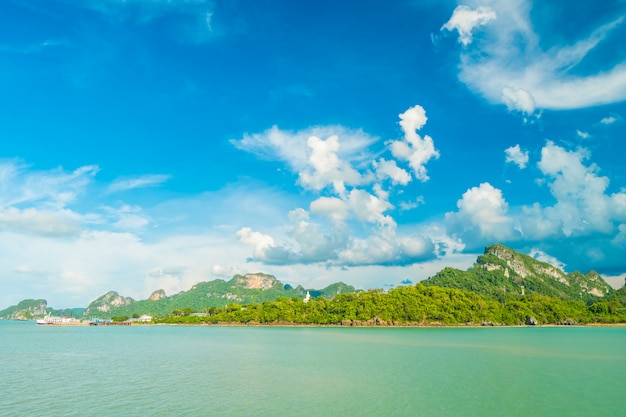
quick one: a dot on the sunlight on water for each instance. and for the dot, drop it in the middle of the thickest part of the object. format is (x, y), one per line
(221, 371)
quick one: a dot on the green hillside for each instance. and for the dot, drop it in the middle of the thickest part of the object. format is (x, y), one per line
(241, 289)
(502, 270)
(412, 305)
(36, 309)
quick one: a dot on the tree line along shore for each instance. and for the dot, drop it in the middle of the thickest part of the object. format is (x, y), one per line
(415, 305)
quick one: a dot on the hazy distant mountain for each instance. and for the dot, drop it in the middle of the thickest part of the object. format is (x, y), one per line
(25, 310)
(241, 289)
(35, 309)
(502, 269)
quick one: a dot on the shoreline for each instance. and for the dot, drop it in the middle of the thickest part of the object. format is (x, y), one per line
(392, 326)
(337, 325)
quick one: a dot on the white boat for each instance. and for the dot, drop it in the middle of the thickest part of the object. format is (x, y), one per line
(57, 320)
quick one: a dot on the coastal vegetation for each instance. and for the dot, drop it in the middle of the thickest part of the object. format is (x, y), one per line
(241, 289)
(412, 305)
(503, 287)
(31, 309)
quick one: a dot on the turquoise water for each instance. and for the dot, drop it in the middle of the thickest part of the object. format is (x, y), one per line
(270, 371)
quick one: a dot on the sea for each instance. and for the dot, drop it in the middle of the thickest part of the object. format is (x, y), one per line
(311, 371)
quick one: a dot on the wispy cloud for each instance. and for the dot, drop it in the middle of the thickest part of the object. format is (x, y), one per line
(512, 65)
(194, 19)
(464, 20)
(608, 120)
(19, 184)
(142, 181)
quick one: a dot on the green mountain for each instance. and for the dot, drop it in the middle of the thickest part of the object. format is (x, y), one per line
(241, 289)
(25, 310)
(501, 270)
(36, 309)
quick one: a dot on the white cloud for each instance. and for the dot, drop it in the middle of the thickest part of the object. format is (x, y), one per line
(482, 215)
(518, 99)
(292, 148)
(417, 151)
(410, 205)
(54, 188)
(331, 207)
(383, 250)
(226, 271)
(390, 170)
(608, 120)
(540, 255)
(620, 239)
(517, 156)
(465, 20)
(369, 208)
(325, 168)
(350, 224)
(261, 242)
(582, 204)
(616, 281)
(513, 65)
(142, 181)
(194, 18)
(583, 135)
(311, 240)
(35, 202)
(55, 223)
(23, 269)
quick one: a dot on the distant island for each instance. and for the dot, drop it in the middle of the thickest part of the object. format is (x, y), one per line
(503, 287)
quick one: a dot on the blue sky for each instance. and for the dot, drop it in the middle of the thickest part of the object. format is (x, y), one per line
(156, 144)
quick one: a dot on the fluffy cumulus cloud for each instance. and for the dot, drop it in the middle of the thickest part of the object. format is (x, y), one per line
(390, 170)
(350, 220)
(464, 20)
(414, 149)
(584, 212)
(325, 168)
(583, 206)
(482, 216)
(517, 156)
(513, 65)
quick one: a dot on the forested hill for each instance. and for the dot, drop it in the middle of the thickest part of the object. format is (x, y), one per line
(32, 309)
(501, 270)
(241, 289)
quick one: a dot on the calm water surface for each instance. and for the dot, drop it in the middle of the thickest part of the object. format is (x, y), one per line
(240, 371)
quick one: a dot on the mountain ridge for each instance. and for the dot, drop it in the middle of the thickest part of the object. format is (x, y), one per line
(240, 289)
(497, 273)
(502, 269)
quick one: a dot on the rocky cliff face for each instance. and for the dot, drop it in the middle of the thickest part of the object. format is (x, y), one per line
(256, 281)
(523, 265)
(157, 295)
(523, 268)
(25, 310)
(107, 302)
(501, 271)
